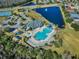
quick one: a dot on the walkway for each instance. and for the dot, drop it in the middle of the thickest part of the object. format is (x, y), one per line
(30, 7)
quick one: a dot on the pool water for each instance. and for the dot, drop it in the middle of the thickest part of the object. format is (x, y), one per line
(43, 34)
(18, 33)
(18, 37)
(11, 29)
(47, 30)
(5, 13)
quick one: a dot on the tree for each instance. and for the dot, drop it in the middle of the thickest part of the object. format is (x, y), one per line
(46, 44)
(60, 42)
(75, 26)
(11, 23)
(69, 20)
(48, 54)
(1, 32)
(56, 55)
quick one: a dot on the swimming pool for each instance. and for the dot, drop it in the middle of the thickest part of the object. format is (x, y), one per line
(18, 33)
(18, 37)
(43, 34)
(5, 13)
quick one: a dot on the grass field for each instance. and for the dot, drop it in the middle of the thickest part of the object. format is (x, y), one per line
(71, 40)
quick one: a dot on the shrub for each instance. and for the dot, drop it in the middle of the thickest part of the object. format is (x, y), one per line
(68, 20)
(75, 26)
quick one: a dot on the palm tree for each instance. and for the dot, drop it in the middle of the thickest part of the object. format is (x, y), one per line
(3, 39)
(39, 56)
(23, 51)
(8, 45)
(1, 32)
(48, 54)
(33, 53)
(56, 55)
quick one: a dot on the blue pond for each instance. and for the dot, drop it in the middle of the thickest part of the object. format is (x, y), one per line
(53, 14)
(43, 34)
(5, 13)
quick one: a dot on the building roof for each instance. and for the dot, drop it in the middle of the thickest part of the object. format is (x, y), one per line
(74, 15)
(76, 19)
(34, 24)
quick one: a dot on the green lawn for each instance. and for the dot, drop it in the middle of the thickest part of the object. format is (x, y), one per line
(71, 40)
